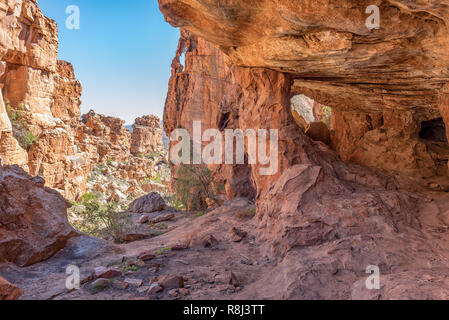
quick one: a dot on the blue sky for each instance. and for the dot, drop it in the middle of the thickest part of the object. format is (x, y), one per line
(122, 54)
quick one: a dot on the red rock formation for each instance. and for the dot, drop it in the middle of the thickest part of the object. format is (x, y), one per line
(47, 95)
(9, 291)
(146, 137)
(107, 134)
(327, 218)
(196, 92)
(46, 92)
(33, 218)
(339, 62)
(328, 47)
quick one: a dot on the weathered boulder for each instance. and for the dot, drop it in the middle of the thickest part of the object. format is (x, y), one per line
(152, 202)
(33, 218)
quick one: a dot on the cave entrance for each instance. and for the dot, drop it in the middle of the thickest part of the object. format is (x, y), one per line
(433, 130)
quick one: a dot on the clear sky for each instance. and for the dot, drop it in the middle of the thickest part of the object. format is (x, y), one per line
(122, 54)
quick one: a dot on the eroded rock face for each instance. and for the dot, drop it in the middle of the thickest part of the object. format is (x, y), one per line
(335, 59)
(44, 93)
(33, 218)
(107, 134)
(328, 47)
(390, 140)
(328, 219)
(146, 137)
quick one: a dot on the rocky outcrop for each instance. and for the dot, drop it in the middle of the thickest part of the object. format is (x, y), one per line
(198, 92)
(328, 47)
(106, 136)
(33, 218)
(147, 136)
(43, 133)
(339, 62)
(327, 218)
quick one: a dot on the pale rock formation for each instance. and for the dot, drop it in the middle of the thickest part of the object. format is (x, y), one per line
(302, 109)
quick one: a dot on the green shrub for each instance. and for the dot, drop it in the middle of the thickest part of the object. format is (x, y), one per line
(153, 156)
(94, 218)
(27, 140)
(327, 115)
(195, 185)
(200, 214)
(162, 251)
(20, 129)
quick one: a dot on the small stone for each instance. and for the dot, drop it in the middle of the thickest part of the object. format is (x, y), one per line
(184, 291)
(105, 273)
(146, 256)
(120, 285)
(131, 237)
(143, 289)
(179, 246)
(209, 241)
(171, 282)
(152, 202)
(225, 287)
(173, 292)
(134, 282)
(8, 291)
(155, 288)
(162, 218)
(228, 278)
(237, 235)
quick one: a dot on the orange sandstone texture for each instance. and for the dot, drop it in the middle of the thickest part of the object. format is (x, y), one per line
(9, 291)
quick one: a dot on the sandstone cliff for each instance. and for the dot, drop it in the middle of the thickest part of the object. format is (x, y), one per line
(43, 133)
(246, 61)
(380, 83)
